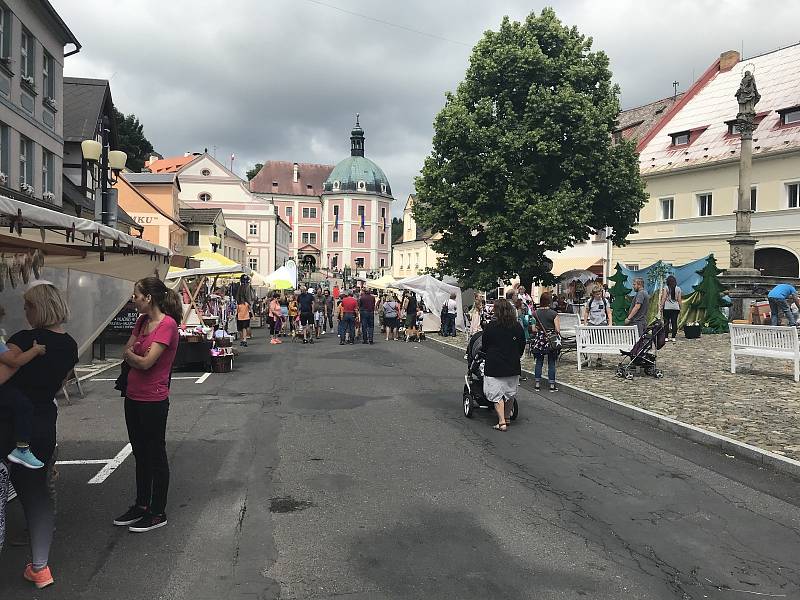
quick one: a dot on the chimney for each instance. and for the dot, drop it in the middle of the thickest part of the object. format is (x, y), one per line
(296, 171)
(728, 60)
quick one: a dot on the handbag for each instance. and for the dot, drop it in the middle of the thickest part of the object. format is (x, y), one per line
(121, 382)
(546, 341)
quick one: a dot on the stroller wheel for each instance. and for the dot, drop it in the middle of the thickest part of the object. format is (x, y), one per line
(629, 376)
(467, 401)
(659, 374)
(514, 411)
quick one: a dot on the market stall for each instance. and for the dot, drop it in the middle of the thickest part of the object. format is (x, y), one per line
(434, 294)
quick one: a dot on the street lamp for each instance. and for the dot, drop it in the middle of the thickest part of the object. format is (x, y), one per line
(214, 240)
(111, 162)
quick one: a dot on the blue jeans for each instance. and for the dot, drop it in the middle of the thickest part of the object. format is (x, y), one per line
(551, 366)
(779, 304)
(367, 325)
(349, 326)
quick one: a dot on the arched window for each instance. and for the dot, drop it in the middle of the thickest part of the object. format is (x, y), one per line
(204, 196)
(362, 185)
(336, 185)
(383, 188)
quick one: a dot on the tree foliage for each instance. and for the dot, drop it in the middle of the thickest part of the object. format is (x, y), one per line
(397, 230)
(704, 303)
(522, 158)
(132, 140)
(254, 171)
(620, 299)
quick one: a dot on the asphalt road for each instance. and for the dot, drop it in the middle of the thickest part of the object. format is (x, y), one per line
(322, 471)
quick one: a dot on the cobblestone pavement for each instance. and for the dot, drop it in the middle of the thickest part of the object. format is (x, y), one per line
(760, 405)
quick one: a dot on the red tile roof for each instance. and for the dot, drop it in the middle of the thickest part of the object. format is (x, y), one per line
(277, 177)
(170, 164)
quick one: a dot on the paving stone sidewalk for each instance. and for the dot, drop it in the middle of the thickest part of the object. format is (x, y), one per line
(760, 405)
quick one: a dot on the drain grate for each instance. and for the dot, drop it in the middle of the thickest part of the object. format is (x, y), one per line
(287, 504)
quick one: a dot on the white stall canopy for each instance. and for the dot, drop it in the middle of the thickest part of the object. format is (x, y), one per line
(434, 293)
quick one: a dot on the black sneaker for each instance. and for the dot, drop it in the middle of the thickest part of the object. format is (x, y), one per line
(537, 386)
(305, 341)
(148, 523)
(553, 387)
(310, 340)
(133, 514)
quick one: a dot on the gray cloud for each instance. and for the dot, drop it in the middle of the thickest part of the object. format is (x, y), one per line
(282, 79)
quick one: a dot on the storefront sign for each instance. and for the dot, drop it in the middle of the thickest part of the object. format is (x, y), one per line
(125, 319)
(151, 219)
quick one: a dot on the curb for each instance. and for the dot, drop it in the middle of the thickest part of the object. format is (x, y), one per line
(754, 454)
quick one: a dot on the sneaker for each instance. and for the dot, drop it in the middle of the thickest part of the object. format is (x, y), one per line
(133, 514)
(278, 341)
(553, 387)
(310, 340)
(24, 457)
(244, 344)
(537, 386)
(148, 523)
(41, 579)
(305, 341)
(323, 333)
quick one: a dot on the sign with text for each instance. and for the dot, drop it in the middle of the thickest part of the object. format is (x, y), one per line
(125, 319)
(152, 219)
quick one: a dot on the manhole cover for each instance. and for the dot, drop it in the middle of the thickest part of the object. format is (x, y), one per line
(287, 504)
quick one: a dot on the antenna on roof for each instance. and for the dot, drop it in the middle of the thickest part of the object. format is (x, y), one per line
(675, 85)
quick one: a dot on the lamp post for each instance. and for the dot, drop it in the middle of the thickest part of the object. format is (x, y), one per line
(214, 239)
(110, 163)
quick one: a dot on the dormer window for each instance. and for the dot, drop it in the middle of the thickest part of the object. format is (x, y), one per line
(680, 139)
(336, 185)
(383, 188)
(790, 116)
(733, 128)
(362, 185)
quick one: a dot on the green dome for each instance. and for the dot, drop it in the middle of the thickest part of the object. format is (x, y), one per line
(357, 174)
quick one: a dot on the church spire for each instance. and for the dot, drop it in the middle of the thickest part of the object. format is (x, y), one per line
(357, 140)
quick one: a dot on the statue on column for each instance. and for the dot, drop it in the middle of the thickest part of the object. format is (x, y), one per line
(747, 96)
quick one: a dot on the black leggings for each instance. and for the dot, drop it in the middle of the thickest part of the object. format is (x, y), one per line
(671, 321)
(147, 429)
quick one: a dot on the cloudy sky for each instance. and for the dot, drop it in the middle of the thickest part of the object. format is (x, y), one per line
(283, 79)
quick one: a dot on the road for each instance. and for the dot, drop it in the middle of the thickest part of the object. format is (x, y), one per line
(322, 471)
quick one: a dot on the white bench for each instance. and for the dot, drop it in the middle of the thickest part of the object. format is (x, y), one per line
(569, 323)
(765, 341)
(604, 340)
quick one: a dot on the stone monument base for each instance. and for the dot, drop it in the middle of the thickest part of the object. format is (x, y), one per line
(745, 290)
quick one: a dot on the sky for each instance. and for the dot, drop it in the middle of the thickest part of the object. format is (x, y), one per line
(283, 79)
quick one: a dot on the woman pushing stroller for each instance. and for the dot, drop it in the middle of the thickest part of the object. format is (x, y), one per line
(503, 345)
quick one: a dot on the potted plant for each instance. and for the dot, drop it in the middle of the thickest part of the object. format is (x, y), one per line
(51, 102)
(3, 178)
(29, 81)
(26, 188)
(49, 197)
(692, 330)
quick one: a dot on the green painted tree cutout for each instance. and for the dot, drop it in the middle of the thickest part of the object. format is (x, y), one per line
(620, 300)
(704, 304)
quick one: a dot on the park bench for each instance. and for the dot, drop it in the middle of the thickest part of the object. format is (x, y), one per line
(604, 340)
(765, 341)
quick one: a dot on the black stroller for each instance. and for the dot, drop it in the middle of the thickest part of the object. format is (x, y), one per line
(644, 352)
(473, 380)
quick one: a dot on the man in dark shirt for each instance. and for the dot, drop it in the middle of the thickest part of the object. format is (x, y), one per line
(366, 304)
(305, 303)
(328, 308)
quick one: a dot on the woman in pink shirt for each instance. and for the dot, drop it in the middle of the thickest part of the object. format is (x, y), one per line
(150, 352)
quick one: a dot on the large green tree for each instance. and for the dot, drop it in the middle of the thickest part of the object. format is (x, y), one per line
(397, 230)
(132, 140)
(522, 158)
(254, 171)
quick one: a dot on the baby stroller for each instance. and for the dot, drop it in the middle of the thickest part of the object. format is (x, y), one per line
(644, 352)
(473, 380)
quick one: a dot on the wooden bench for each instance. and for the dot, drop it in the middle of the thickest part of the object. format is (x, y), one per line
(604, 340)
(766, 341)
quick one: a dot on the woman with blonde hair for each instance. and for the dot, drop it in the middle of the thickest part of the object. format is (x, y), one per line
(149, 353)
(503, 344)
(40, 379)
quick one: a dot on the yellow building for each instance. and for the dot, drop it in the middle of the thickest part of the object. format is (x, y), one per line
(689, 162)
(414, 254)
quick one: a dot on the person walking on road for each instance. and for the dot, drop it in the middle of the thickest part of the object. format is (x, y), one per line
(548, 328)
(641, 303)
(349, 310)
(778, 298)
(305, 303)
(391, 316)
(671, 306)
(39, 380)
(327, 303)
(243, 320)
(503, 345)
(410, 308)
(276, 318)
(149, 353)
(452, 311)
(366, 306)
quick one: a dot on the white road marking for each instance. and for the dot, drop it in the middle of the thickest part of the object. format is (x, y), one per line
(111, 465)
(187, 377)
(202, 378)
(94, 461)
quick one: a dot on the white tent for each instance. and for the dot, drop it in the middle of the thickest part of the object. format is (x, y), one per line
(382, 283)
(287, 272)
(434, 293)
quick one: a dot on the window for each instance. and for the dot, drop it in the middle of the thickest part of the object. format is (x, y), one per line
(335, 210)
(790, 116)
(252, 229)
(361, 210)
(291, 236)
(704, 205)
(753, 198)
(633, 266)
(288, 211)
(383, 212)
(309, 213)
(335, 185)
(733, 128)
(416, 260)
(383, 262)
(360, 262)
(204, 196)
(194, 238)
(26, 54)
(383, 239)
(25, 161)
(335, 236)
(252, 263)
(205, 172)
(680, 139)
(362, 185)
(48, 76)
(793, 194)
(5, 152)
(5, 32)
(667, 209)
(361, 237)
(383, 188)
(48, 172)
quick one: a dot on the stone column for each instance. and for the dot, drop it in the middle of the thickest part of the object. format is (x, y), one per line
(743, 244)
